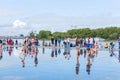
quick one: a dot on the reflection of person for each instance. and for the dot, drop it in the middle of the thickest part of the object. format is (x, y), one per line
(88, 68)
(111, 49)
(77, 65)
(9, 50)
(22, 57)
(119, 56)
(55, 52)
(91, 54)
(52, 53)
(36, 59)
(59, 50)
(43, 50)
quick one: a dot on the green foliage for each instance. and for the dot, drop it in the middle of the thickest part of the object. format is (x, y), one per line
(108, 33)
(61, 35)
(44, 34)
(32, 34)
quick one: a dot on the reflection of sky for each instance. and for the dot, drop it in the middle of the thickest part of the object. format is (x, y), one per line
(58, 68)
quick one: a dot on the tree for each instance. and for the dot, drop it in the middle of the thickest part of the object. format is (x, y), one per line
(44, 34)
(32, 34)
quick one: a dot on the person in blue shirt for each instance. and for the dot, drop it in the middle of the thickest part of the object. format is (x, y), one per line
(59, 41)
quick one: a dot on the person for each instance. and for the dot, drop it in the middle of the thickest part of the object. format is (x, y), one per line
(16, 42)
(59, 41)
(9, 42)
(1, 50)
(111, 49)
(106, 45)
(93, 41)
(0, 41)
(29, 46)
(77, 42)
(36, 44)
(24, 48)
(43, 42)
(55, 42)
(81, 42)
(84, 42)
(52, 42)
(0, 44)
(96, 48)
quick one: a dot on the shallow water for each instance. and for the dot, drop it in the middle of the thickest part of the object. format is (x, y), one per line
(58, 67)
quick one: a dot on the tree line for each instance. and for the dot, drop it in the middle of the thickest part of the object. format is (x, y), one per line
(108, 33)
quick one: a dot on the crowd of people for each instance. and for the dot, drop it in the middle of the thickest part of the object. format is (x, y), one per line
(87, 47)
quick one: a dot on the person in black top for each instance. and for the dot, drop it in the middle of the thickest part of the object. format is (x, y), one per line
(0, 41)
(52, 41)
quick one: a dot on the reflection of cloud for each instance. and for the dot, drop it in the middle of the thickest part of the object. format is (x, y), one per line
(12, 78)
(19, 24)
(5, 25)
(6, 65)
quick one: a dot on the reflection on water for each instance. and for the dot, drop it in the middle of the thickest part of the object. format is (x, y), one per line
(63, 62)
(77, 64)
(36, 59)
(43, 50)
(119, 56)
(88, 66)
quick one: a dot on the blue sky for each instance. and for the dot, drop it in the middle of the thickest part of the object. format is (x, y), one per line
(23, 16)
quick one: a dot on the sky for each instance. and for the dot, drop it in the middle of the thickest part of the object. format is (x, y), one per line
(23, 16)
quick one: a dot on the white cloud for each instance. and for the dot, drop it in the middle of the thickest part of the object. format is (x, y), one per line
(19, 24)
